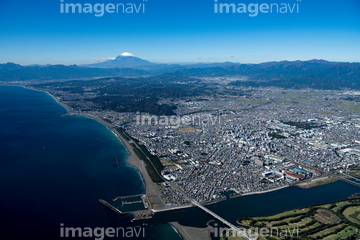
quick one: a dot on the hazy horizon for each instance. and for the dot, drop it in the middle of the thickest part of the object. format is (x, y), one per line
(178, 63)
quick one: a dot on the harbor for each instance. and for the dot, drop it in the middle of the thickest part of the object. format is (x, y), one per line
(137, 205)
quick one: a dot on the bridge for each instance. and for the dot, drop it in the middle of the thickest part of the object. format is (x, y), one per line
(227, 223)
(349, 181)
(355, 183)
(356, 179)
(224, 221)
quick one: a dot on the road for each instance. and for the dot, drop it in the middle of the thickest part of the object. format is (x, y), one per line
(224, 221)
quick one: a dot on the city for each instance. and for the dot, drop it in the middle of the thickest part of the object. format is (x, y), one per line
(223, 146)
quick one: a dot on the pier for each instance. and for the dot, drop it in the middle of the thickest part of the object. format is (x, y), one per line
(130, 202)
(110, 206)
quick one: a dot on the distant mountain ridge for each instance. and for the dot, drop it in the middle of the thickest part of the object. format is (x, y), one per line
(16, 72)
(314, 73)
(287, 74)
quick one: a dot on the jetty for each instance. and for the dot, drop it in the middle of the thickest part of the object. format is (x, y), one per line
(110, 206)
(130, 202)
(124, 197)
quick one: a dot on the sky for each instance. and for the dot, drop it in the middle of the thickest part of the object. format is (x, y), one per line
(169, 31)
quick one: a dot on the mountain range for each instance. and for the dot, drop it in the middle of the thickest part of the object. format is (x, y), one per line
(16, 72)
(288, 74)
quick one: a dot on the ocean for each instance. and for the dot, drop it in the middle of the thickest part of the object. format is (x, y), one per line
(54, 169)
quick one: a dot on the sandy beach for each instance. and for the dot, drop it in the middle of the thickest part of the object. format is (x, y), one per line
(67, 107)
(151, 188)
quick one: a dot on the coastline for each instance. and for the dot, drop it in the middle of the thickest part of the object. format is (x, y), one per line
(64, 105)
(132, 159)
(151, 188)
(67, 107)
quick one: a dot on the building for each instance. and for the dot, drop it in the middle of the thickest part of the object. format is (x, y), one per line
(294, 176)
(259, 162)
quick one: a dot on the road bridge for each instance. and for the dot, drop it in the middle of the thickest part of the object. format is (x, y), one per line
(216, 216)
(346, 180)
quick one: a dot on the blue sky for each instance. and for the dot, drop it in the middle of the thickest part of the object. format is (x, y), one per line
(35, 32)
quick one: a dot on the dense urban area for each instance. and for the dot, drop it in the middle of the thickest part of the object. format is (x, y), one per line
(226, 139)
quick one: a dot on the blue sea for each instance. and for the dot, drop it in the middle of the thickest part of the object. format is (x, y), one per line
(54, 169)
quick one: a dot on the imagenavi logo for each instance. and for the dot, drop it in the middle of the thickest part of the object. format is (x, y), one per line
(253, 9)
(99, 9)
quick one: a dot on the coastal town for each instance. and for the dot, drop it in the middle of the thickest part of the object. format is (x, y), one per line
(217, 147)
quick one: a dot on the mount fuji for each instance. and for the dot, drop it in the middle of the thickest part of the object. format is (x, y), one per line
(124, 60)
